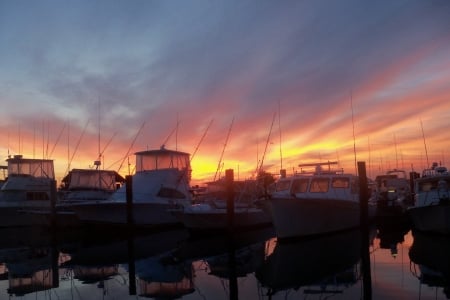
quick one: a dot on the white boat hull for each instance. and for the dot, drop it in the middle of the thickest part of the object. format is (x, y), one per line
(305, 217)
(432, 218)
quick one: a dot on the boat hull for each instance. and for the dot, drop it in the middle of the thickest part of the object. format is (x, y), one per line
(115, 213)
(19, 216)
(293, 217)
(432, 218)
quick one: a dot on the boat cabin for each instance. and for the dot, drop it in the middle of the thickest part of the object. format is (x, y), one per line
(92, 179)
(433, 187)
(19, 166)
(152, 160)
(317, 184)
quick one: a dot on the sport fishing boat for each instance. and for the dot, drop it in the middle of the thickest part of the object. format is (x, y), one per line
(160, 184)
(27, 187)
(431, 210)
(315, 202)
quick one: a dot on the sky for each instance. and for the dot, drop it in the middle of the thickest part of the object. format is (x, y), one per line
(242, 85)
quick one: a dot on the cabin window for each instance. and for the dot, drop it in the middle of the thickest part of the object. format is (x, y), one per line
(319, 185)
(299, 186)
(282, 185)
(340, 183)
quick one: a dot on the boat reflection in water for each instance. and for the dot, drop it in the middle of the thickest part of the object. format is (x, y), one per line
(322, 265)
(161, 278)
(430, 261)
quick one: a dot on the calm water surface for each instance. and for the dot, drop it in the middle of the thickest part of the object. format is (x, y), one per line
(251, 265)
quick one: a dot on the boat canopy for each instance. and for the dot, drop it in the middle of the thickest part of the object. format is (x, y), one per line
(162, 159)
(93, 179)
(18, 165)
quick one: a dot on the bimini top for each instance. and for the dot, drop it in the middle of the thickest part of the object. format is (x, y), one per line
(17, 165)
(162, 159)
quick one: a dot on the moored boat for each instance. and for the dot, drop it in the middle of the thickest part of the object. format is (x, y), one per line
(392, 194)
(27, 187)
(315, 203)
(160, 184)
(431, 210)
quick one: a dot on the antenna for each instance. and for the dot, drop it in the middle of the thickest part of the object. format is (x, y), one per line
(424, 143)
(131, 146)
(267, 142)
(279, 130)
(353, 125)
(172, 132)
(201, 139)
(223, 150)
(77, 145)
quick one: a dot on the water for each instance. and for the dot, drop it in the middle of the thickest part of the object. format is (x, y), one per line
(253, 265)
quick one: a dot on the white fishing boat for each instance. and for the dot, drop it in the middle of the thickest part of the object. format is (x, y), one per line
(431, 210)
(315, 202)
(27, 187)
(160, 184)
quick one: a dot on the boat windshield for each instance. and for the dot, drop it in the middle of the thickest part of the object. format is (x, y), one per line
(32, 167)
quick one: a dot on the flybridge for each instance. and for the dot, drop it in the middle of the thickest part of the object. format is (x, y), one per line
(17, 165)
(318, 169)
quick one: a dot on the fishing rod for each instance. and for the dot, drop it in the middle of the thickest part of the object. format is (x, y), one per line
(267, 142)
(201, 139)
(223, 150)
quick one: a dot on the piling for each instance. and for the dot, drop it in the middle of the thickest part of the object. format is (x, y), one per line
(53, 196)
(364, 222)
(54, 239)
(129, 197)
(229, 179)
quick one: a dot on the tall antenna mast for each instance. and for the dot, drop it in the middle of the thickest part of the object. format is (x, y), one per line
(279, 130)
(267, 142)
(223, 150)
(201, 139)
(424, 143)
(353, 125)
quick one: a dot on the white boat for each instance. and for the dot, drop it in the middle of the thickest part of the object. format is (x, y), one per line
(314, 203)
(431, 210)
(27, 187)
(160, 184)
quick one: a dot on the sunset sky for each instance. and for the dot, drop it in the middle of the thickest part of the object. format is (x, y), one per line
(278, 82)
